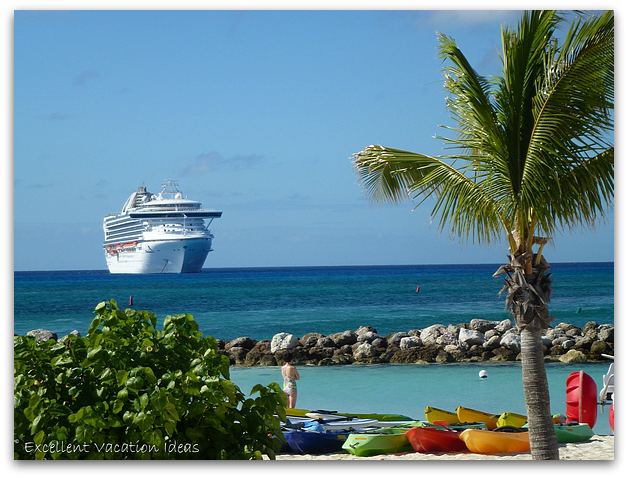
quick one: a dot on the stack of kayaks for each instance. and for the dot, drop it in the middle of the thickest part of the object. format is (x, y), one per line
(382, 417)
(325, 431)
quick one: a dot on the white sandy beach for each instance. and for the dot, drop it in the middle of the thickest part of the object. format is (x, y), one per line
(600, 447)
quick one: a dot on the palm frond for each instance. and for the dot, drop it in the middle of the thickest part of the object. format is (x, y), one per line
(390, 174)
(572, 111)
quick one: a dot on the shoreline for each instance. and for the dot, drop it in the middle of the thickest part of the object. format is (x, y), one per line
(599, 448)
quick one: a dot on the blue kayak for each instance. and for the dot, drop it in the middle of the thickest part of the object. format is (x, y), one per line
(315, 442)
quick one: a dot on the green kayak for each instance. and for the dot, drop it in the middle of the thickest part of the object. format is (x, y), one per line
(382, 417)
(381, 442)
(572, 433)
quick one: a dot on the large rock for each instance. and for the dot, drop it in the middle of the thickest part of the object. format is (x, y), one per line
(395, 338)
(573, 356)
(590, 328)
(447, 338)
(491, 333)
(267, 360)
(503, 326)
(237, 355)
(348, 337)
(482, 325)
(325, 342)
(363, 329)
(443, 357)
(367, 337)
(259, 354)
(41, 335)
(568, 344)
(502, 354)
(412, 355)
(470, 337)
(431, 333)
(310, 339)
(598, 347)
(379, 343)
(245, 342)
(511, 341)
(363, 352)
(492, 342)
(283, 341)
(606, 333)
(409, 343)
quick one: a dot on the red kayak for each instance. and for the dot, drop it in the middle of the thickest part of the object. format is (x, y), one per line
(581, 398)
(433, 440)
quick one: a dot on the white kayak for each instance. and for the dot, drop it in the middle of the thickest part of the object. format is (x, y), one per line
(372, 422)
(335, 422)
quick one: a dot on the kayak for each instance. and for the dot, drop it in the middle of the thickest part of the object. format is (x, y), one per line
(573, 432)
(380, 442)
(496, 442)
(435, 440)
(382, 417)
(433, 414)
(470, 415)
(510, 419)
(313, 442)
(327, 418)
(333, 423)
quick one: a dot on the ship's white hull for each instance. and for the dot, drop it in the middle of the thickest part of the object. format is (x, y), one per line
(166, 256)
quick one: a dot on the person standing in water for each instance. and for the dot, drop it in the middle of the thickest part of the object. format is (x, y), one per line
(290, 376)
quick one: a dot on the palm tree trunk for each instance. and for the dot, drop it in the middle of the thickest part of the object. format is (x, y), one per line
(528, 298)
(536, 392)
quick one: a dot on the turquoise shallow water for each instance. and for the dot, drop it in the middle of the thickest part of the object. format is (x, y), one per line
(407, 389)
(259, 303)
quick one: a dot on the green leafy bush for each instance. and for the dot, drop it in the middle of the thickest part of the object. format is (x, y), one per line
(130, 391)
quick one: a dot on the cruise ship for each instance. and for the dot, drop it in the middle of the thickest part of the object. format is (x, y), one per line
(158, 233)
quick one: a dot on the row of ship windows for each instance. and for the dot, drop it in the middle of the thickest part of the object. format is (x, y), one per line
(124, 234)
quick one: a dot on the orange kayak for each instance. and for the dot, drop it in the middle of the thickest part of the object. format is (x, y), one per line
(470, 415)
(489, 442)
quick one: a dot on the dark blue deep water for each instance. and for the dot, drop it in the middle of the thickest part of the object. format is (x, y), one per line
(229, 303)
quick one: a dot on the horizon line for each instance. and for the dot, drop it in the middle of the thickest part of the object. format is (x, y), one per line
(318, 266)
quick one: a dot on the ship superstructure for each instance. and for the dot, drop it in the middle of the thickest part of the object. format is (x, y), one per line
(158, 233)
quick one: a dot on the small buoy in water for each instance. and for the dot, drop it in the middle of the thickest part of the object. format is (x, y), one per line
(483, 374)
(130, 300)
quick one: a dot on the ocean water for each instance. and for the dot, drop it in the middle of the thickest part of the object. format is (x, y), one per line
(259, 303)
(407, 389)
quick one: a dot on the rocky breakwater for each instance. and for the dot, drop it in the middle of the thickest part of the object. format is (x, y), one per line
(477, 341)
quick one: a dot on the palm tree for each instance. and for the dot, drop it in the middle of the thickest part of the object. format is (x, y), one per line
(531, 154)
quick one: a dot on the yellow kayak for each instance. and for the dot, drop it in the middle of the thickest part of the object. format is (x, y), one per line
(510, 419)
(493, 443)
(471, 415)
(438, 415)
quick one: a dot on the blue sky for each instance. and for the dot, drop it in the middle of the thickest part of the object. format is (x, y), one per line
(256, 114)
